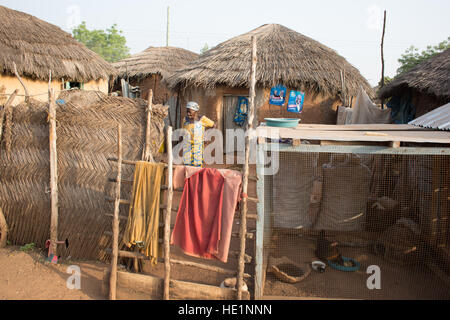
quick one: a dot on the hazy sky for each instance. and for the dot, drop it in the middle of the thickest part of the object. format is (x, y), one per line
(352, 28)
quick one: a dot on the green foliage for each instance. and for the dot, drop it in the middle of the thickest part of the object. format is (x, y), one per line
(205, 48)
(109, 43)
(387, 80)
(28, 247)
(412, 57)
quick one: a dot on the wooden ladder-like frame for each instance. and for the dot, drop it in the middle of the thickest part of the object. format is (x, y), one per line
(116, 253)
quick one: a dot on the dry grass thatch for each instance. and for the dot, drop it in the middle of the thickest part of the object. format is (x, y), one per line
(430, 76)
(284, 56)
(162, 60)
(86, 137)
(37, 47)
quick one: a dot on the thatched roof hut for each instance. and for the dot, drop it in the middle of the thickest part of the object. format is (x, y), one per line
(429, 77)
(284, 57)
(149, 68)
(161, 60)
(423, 88)
(37, 47)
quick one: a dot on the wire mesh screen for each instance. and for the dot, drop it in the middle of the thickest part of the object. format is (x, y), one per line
(358, 226)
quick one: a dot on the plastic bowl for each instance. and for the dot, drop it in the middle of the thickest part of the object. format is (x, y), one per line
(282, 122)
(356, 265)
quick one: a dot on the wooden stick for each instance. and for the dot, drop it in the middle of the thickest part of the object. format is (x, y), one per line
(343, 87)
(115, 224)
(243, 226)
(150, 286)
(3, 230)
(6, 110)
(163, 187)
(27, 95)
(177, 111)
(147, 154)
(168, 212)
(175, 209)
(53, 173)
(167, 32)
(248, 235)
(131, 162)
(382, 58)
(136, 261)
(131, 254)
(49, 78)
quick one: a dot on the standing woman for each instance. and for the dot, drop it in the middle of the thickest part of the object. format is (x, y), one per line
(193, 150)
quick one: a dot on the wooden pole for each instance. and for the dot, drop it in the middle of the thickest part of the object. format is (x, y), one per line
(243, 226)
(131, 254)
(115, 224)
(345, 90)
(147, 154)
(53, 173)
(178, 109)
(3, 230)
(168, 214)
(27, 95)
(49, 79)
(382, 57)
(6, 110)
(342, 87)
(181, 290)
(167, 31)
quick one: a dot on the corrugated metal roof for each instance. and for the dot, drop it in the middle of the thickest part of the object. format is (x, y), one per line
(439, 118)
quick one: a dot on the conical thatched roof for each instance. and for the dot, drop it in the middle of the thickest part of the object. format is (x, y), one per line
(430, 76)
(284, 56)
(162, 60)
(37, 47)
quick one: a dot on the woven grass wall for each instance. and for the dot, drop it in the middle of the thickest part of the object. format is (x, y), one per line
(86, 137)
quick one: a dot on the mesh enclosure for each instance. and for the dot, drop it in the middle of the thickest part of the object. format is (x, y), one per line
(378, 221)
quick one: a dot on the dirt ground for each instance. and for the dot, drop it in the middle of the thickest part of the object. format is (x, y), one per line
(27, 276)
(397, 282)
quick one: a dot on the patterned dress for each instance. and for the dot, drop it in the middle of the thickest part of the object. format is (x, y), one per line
(193, 148)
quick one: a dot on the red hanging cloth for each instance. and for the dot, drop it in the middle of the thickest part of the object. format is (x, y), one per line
(198, 224)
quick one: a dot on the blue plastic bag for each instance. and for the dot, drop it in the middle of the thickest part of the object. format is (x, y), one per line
(240, 115)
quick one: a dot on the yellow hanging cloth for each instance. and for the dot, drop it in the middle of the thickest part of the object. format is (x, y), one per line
(143, 218)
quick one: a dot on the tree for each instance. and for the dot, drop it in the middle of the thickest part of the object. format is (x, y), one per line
(412, 57)
(204, 49)
(109, 43)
